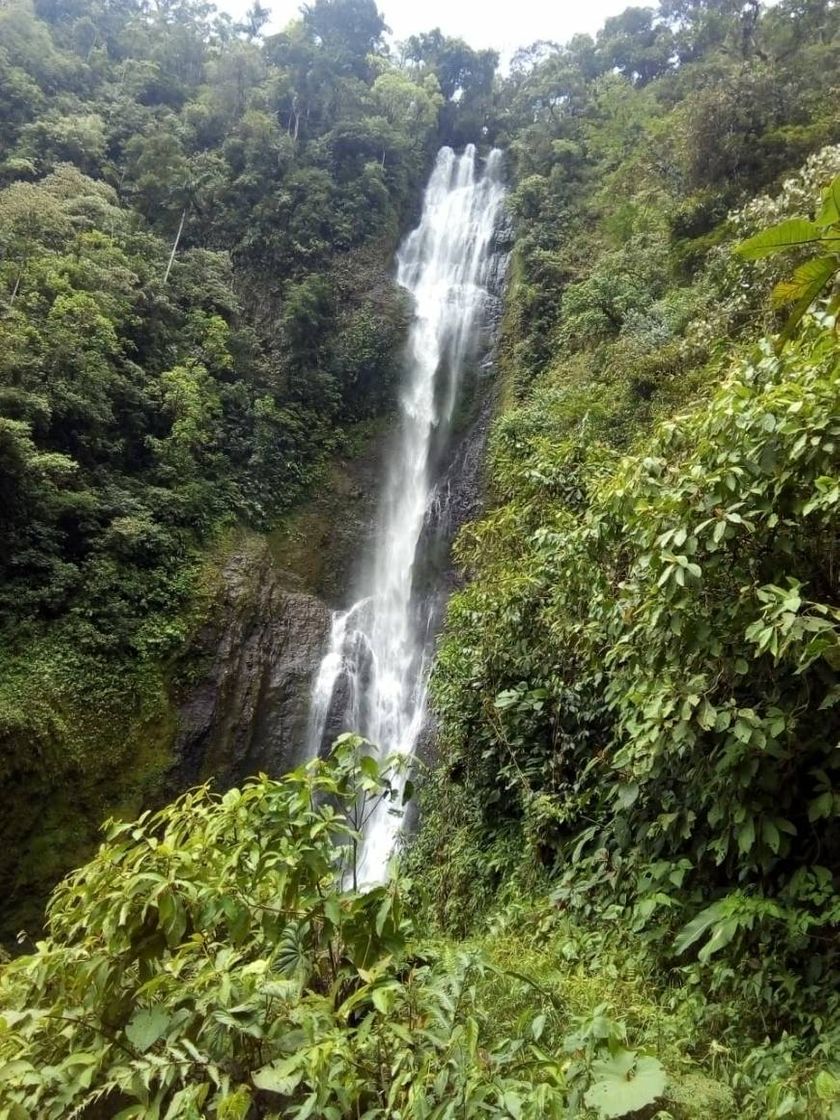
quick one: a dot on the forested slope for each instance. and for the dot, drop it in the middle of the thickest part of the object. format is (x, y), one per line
(623, 896)
(637, 689)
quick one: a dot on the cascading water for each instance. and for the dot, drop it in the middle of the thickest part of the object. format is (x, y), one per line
(374, 676)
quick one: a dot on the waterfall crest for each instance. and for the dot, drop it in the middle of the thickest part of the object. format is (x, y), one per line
(373, 678)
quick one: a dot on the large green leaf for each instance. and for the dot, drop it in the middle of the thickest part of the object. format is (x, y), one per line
(698, 926)
(805, 286)
(827, 1087)
(279, 1077)
(716, 920)
(786, 235)
(830, 213)
(146, 1027)
(293, 957)
(625, 1083)
(807, 282)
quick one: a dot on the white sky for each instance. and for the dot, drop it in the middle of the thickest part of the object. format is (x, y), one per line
(501, 24)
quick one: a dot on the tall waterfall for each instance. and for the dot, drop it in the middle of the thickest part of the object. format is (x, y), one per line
(373, 679)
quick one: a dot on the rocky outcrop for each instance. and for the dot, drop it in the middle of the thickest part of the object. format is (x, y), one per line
(245, 683)
(320, 543)
(257, 655)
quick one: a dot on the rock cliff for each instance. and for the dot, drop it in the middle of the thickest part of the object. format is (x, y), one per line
(258, 652)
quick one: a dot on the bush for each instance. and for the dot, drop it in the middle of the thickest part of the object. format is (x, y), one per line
(214, 960)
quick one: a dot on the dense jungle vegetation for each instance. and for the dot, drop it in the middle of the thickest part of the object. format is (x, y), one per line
(196, 303)
(624, 897)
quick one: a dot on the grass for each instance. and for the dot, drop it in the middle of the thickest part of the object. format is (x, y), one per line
(589, 982)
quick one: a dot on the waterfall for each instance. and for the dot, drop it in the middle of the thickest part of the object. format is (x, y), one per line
(373, 678)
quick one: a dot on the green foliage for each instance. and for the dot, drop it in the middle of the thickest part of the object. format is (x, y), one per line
(88, 733)
(689, 668)
(211, 960)
(676, 114)
(636, 688)
(590, 992)
(128, 348)
(816, 273)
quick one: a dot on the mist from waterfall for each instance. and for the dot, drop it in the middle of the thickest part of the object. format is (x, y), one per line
(373, 678)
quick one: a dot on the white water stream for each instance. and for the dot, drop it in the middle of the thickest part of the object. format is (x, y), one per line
(373, 679)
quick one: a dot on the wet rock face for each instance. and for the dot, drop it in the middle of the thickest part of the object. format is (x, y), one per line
(251, 667)
(258, 654)
(318, 545)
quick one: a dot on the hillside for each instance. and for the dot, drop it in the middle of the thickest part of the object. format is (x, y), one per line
(623, 894)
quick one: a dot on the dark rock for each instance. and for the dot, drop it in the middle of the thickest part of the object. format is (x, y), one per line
(318, 545)
(260, 650)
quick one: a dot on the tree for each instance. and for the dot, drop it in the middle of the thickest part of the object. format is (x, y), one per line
(29, 219)
(720, 145)
(703, 26)
(163, 179)
(637, 44)
(462, 73)
(412, 107)
(77, 138)
(255, 19)
(348, 31)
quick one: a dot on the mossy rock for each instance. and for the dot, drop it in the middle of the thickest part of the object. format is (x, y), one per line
(318, 543)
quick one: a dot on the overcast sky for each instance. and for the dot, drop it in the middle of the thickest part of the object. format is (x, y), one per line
(501, 24)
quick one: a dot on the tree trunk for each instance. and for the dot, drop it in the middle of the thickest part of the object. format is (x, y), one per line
(175, 246)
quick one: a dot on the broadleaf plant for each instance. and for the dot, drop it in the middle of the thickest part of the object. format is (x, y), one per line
(215, 959)
(818, 273)
(624, 1083)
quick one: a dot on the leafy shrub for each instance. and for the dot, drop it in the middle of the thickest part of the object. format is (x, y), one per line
(817, 273)
(213, 960)
(651, 645)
